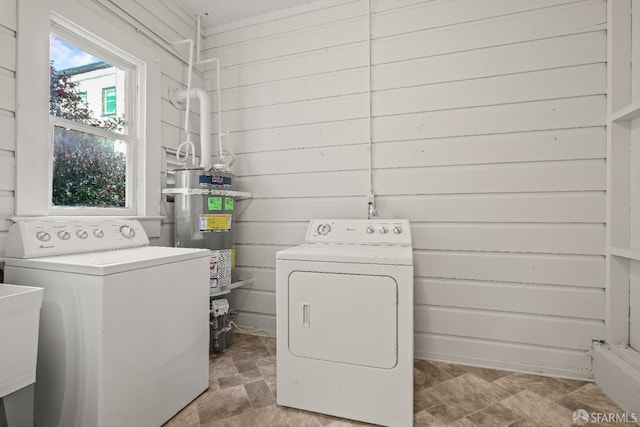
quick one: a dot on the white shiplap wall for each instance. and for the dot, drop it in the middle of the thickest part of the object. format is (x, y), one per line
(488, 134)
(7, 115)
(160, 19)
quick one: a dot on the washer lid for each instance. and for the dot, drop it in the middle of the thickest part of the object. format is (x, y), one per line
(363, 254)
(110, 262)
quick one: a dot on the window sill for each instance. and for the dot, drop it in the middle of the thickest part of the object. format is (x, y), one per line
(152, 224)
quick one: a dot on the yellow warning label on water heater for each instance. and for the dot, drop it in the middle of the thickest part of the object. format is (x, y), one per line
(215, 222)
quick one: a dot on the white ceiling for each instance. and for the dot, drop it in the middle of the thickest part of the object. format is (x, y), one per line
(216, 12)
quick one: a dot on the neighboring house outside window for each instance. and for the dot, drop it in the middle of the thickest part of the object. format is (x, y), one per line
(93, 148)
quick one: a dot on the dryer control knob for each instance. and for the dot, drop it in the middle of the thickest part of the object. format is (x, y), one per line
(397, 230)
(64, 235)
(324, 229)
(82, 234)
(98, 233)
(384, 229)
(370, 230)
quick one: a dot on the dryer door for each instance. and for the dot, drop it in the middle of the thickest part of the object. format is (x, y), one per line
(345, 318)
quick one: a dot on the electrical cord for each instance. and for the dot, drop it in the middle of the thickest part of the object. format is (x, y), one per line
(248, 331)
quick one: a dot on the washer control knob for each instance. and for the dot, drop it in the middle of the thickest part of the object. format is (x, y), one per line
(82, 234)
(127, 232)
(324, 229)
(98, 233)
(64, 235)
(384, 229)
(370, 230)
(43, 236)
(397, 229)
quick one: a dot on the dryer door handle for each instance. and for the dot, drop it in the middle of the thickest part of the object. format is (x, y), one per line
(306, 314)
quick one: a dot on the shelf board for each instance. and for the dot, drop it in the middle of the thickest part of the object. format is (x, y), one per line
(209, 191)
(227, 289)
(623, 252)
(627, 113)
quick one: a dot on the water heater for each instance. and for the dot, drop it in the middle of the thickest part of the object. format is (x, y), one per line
(204, 206)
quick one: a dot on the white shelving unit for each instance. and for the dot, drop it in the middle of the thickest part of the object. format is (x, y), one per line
(239, 195)
(227, 289)
(615, 363)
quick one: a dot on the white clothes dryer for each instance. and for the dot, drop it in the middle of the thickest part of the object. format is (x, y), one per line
(345, 321)
(124, 336)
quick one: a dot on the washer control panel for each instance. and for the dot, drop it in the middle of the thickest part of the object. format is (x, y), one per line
(359, 231)
(31, 239)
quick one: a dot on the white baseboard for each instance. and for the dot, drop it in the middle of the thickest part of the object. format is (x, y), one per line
(616, 370)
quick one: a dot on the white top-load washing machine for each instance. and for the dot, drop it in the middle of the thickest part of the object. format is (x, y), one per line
(345, 321)
(123, 326)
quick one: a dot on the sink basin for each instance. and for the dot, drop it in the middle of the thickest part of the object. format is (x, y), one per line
(19, 318)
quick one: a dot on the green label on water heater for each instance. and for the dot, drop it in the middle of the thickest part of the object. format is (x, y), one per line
(228, 203)
(214, 203)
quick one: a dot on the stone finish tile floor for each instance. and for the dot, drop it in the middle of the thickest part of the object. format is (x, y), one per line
(242, 390)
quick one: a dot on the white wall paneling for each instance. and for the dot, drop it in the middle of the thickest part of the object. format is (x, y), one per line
(509, 297)
(8, 89)
(616, 361)
(513, 356)
(7, 130)
(509, 207)
(7, 116)
(488, 134)
(8, 48)
(558, 21)
(546, 53)
(577, 239)
(562, 144)
(8, 14)
(579, 270)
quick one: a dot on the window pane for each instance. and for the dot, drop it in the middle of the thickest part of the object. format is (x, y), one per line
(88, 170)
(84, 88)
(108, 101)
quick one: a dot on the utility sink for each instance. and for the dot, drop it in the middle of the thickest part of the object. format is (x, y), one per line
(19, 321)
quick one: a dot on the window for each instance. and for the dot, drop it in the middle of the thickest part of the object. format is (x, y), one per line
(92, 156)
(108, 101)
(94, 31)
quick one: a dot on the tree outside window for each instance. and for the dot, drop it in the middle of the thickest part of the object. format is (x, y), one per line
(90, 154)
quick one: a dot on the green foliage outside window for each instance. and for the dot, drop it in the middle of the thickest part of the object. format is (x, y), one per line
(88, 170)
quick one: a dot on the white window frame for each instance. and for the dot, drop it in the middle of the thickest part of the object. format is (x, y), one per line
(33, 150)
(135, 119)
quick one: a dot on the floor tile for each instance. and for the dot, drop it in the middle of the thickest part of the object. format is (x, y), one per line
(464, 395)
(245, 365)
(486, 373)
(259, 394)
(188, 417)
(243, 390)
(224, 403)
(425, 419)
(238, 379)
(424, 399)
(533, 408)
(494, 416)
(453, 370)
(434, 374)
